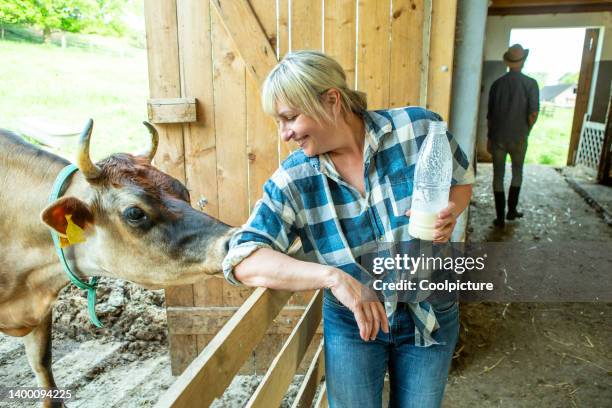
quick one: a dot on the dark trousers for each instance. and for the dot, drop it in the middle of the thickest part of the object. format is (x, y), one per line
(517, 151)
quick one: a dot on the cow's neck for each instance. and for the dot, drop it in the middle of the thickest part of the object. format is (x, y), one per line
(29, 266)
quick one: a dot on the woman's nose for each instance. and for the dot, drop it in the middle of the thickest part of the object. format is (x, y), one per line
(286, 134)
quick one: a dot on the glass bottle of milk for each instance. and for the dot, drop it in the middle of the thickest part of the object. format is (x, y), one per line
(432, 180)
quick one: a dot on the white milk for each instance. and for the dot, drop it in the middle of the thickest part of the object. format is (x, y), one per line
(421, 224)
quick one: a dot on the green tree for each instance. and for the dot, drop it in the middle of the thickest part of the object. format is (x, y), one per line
(90, 16)
(49, 15)
(569, 78)
(14, 12)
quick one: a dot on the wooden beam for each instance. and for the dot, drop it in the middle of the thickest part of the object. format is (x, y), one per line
(536, 3)
(172, 110)
(164, 82)
(213, 370)
(249, 38)
(274, 385)
(164, 79)
(312, 379)
(517, 7)
(441, 53)
(195, 51)
(583, 91)
(603, 171)
(321, 401)
(207, 320)
(581, 8)
(265, 10)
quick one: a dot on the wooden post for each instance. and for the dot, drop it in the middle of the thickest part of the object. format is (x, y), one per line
(583, 92)
(248, 37)
(164, 82)
(195, 50)
(603, 172)
(441, 53)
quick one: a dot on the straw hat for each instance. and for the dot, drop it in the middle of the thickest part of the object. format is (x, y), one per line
(515, 55)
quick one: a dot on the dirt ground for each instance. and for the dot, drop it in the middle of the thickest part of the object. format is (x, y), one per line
(535, 354)
(515, 355)
(123, 364)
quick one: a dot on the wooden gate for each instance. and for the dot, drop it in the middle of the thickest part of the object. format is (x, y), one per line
(221, 144)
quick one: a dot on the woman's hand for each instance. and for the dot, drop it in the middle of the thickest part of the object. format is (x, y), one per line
(445, 224)
(369, 314)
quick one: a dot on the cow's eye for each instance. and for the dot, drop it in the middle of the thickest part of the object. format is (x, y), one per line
(134, 215)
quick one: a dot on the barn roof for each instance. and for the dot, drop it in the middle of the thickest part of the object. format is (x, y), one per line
(550, 92)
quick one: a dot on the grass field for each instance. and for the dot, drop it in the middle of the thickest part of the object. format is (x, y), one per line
(72, 85)
(549, 138)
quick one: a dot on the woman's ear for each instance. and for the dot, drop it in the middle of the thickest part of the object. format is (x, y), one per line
(333, 101)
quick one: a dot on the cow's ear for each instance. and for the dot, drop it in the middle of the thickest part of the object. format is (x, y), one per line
(76, 210)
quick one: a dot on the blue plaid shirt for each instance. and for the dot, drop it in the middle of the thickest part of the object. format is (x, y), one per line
(306, 198)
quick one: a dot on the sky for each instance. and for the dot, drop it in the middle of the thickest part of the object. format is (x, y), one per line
(552, 50)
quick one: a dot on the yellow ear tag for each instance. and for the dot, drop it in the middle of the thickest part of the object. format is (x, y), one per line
(63, 241)
(74, 233)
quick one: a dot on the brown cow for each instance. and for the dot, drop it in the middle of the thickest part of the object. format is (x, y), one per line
(137, 223)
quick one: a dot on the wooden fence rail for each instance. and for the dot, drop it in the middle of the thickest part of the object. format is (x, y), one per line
(207, 377)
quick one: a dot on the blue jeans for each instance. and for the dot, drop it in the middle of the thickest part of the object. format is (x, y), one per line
(355, 369)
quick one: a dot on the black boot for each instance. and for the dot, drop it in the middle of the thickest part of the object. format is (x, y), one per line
(513, 197)
(500, 206)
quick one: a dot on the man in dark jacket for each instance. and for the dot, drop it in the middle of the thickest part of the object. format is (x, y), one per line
(513, 110)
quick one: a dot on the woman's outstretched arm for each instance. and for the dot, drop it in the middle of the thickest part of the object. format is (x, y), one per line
(272, 269)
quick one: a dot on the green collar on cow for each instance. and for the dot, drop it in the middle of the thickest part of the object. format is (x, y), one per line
(93, 282)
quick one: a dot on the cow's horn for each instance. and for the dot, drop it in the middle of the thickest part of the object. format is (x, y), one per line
(89, 169)
(154, 140)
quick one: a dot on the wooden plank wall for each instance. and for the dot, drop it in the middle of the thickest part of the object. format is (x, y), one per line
(165, 82)
(397, 51)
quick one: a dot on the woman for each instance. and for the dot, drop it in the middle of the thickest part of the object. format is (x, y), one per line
(349, 186)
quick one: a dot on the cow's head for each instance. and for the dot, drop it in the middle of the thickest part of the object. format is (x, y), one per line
(136, 221)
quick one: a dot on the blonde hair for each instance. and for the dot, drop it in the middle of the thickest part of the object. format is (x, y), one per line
(300, 80)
